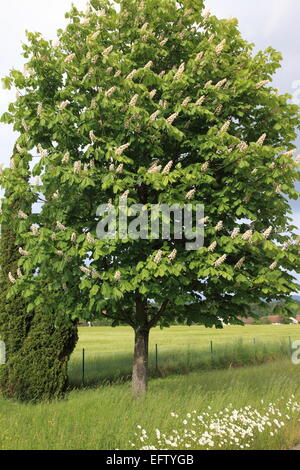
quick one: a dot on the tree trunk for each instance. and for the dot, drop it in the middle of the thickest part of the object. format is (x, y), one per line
(140, 362)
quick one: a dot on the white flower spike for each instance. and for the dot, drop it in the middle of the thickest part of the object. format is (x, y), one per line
(173, 255)
(212, 247)
(220, 261)
(240, 263)
(121, 149)
(107, 51)
(23, 252)
(262, 139)
(190, 194)
(11, 278)
(158, 257)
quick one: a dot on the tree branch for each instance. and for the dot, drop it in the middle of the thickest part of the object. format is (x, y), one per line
(159, 313)
(125, 320)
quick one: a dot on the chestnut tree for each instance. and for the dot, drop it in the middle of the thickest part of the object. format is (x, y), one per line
(156, 102)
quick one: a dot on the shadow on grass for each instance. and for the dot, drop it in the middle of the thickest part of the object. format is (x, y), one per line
(116, 368)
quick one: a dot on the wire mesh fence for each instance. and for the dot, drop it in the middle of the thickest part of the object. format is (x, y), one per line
(89, 368)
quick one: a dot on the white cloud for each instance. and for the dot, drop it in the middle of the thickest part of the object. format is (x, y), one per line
(16, 17)
(277, 13)
(259, 19)
(297, 220)
(6, 97)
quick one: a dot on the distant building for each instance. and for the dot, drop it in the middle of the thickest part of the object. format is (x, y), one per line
(271, 318)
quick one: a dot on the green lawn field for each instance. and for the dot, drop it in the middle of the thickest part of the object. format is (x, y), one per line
(104, 416)
(103, 340)
(107, 417)
(108, 351)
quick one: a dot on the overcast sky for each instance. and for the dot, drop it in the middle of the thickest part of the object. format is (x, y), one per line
(263, 22)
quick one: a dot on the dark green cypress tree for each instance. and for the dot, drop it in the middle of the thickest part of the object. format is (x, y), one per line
(14, 319)
(38, 371)
(37, 349)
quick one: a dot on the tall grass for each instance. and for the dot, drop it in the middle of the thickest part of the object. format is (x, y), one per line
(116, 367)
(107, 417)
(189, 377)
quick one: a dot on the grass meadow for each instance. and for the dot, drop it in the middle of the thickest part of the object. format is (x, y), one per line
(181, 349)
(103, 415)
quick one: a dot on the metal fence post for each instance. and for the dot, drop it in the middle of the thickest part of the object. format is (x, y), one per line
(156, 358)
(83, 366)
(188, 356)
